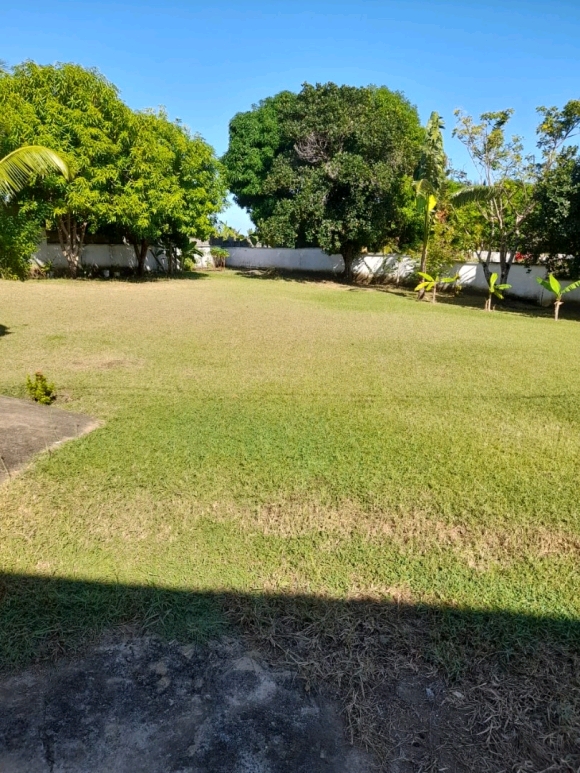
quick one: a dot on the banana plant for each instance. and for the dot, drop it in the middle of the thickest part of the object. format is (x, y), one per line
(18, 167)
(552, 285)
(429, 283)
(494, 289)
(426, 201)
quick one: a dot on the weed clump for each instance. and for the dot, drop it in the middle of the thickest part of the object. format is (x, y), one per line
(39, 389)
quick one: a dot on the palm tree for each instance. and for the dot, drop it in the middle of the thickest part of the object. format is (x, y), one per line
(18, 167)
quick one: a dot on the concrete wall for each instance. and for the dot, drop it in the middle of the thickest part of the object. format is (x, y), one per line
(394, 267)
(523, 282)
(100, 255)
(288, 259)
(311, 259)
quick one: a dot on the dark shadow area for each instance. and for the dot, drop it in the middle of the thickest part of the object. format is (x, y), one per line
(131, 277)
(301, 277)
(455, 689)
(475, 300)
(4, 331)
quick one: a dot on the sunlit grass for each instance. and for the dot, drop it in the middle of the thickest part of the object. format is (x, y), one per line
(272, 435)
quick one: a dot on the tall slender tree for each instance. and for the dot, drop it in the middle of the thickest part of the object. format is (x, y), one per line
(508, 177)
(429, 178)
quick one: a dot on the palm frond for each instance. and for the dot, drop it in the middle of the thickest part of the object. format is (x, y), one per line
(18, 167)
(471, 194)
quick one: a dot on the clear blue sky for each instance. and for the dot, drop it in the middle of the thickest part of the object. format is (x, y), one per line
(205, 61)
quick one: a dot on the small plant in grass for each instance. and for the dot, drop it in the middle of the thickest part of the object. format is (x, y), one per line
(429, 283)
(494, 289)
(552, 285)
(219, 256)
(39, 389)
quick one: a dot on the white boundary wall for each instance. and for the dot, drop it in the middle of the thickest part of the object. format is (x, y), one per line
(100, 255)
(312, 259)
(522, 279)
(523, 282)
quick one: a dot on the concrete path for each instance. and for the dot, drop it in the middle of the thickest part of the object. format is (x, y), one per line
(27, 429)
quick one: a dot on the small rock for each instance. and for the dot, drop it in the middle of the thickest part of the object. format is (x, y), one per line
(159, 668)
(163, 683)
(430, 694)
(188, 651)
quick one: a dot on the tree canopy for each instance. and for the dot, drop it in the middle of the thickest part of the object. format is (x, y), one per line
(330, 166)
(169, 185)
(137, 172)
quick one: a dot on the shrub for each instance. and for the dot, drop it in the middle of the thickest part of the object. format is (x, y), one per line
(40, 390)
(219, 256)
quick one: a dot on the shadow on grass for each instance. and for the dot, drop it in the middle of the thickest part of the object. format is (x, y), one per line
(475, 300)
(466, 299)
(4, 331)
(507, 683)
(301, 277)
(159, 277)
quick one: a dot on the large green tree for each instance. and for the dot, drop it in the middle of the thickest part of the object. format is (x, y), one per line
(78, 113)
(554, 227)
(330, 166)
(169, 188)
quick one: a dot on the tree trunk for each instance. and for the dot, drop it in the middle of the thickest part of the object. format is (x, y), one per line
(349, 253)
(557, 305)
(141, 248)
(71, 236)
(504, 264)
(485, 265)
(423, 268)
(434, 297)
(487, 306)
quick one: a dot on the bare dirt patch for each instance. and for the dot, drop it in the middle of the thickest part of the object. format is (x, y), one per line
(27, 429)
(141, 704)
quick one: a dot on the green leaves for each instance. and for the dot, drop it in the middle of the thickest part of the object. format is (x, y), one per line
(429, 282)
(19, 167)
(552, 285)
(497, 289)
(571, 286)
(472, 194)
(329, 166)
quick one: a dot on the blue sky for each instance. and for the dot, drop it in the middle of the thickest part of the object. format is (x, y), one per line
(206, 61)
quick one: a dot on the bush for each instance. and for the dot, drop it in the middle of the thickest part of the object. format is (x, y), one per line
(39, 389)
(20, 233)
(219, 256)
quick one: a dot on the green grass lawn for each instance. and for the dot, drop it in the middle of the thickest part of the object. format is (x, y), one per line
(269, 435)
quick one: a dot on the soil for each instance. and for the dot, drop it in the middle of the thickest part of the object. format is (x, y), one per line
(140, 705)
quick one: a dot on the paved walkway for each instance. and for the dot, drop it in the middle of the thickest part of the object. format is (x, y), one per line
(27, 429)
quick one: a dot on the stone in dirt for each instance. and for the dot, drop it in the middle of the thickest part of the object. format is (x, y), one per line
(27, 429)
(145, 706)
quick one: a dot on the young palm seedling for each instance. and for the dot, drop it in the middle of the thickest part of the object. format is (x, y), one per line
(552, 285)
(429, 283)
(494, 289)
